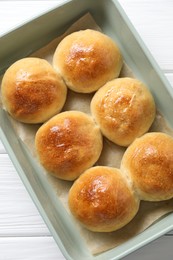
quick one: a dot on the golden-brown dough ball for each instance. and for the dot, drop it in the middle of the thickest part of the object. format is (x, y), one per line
(148, 162)
(68, 144)
(87, 59)
(124, 109)
(102, 200)
(32, 91)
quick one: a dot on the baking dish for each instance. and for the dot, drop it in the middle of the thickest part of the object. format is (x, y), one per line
(36, 33)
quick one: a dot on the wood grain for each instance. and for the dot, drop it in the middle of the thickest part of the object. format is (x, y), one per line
(153, 21)
(29, 248)
(18, 214)
(44, 248)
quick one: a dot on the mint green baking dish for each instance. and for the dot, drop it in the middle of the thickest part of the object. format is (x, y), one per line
(113, 21)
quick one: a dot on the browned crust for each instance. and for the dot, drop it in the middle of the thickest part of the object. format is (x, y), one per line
(101, 199)
(32, 91)
(68, 144)
(124, 108)
(87, 60)
(149, 163)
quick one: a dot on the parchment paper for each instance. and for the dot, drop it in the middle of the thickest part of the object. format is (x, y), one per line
(111, 155)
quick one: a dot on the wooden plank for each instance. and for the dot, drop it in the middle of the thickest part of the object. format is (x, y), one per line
(22, 11)
(18, 214)
(31, 248)
(157, 35)
(45, 248)
(154, 22)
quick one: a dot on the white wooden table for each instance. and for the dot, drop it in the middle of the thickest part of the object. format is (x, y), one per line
(23, 234)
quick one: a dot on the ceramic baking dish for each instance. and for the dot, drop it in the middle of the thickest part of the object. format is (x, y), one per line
(113, 21)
